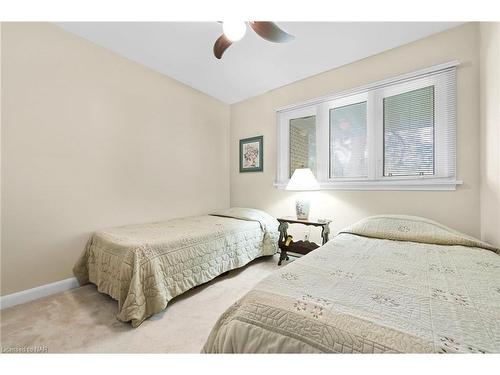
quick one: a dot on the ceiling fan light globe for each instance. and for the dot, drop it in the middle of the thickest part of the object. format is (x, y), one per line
(234, 30)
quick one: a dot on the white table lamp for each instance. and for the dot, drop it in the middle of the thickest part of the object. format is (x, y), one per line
(302, 180)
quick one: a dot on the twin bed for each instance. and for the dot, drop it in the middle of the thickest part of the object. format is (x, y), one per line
(144, 266)
(387, 284)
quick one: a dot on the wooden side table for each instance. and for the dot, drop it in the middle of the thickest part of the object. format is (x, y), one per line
(300, 247)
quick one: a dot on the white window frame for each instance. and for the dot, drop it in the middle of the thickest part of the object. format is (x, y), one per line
(374, 95)
(283, 149)
(342, 102)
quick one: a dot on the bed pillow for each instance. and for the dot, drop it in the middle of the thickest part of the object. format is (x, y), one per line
(267, 221)
(414, 229)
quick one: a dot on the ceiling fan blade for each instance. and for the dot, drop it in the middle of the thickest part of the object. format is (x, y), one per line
(271, 32)
(221, 45)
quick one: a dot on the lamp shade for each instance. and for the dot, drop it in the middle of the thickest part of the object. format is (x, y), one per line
(302, 180)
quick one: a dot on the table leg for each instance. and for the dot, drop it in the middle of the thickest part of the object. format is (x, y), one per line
(283, 257)
(283, 229)
(325, 232)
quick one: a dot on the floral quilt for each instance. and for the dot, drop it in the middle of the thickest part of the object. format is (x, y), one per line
(388, 284)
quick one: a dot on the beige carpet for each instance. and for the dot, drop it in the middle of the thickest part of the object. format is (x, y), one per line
(83, 320)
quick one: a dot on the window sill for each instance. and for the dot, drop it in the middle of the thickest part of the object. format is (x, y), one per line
(412, 185)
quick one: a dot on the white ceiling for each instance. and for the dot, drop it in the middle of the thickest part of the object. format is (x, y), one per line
(252, 66)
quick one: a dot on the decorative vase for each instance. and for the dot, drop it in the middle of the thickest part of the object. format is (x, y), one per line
(302, 209)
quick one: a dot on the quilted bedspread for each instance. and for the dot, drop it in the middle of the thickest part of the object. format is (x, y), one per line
(145, 266)
(388, 284)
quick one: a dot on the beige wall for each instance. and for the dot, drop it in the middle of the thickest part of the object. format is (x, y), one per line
(93, 140)
(490, 132)
(458, 209)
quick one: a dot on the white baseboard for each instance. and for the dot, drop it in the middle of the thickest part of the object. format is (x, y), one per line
(38, 292)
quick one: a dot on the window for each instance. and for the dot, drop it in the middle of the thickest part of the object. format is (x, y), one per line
(348, 142)
(398, 134)
(409, 133)
(302, 143)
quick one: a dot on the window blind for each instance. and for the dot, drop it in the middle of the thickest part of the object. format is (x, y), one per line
(395, 134)
(419, 127)
(409, 133)
(303, 143)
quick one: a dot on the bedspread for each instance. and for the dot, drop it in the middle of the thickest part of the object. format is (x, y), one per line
(388, 284)
(145, 266)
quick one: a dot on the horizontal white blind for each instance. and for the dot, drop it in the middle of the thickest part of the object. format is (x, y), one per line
(348, 142)
(419, 126)
(446, 104)
(303, 143)
(396, 133)
(409, 133)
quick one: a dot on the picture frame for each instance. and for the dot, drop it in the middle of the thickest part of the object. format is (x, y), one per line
(252, 154)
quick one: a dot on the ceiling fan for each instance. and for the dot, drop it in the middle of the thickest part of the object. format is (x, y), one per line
(234, 31)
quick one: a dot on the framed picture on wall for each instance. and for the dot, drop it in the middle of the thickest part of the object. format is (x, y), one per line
(252, 154)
